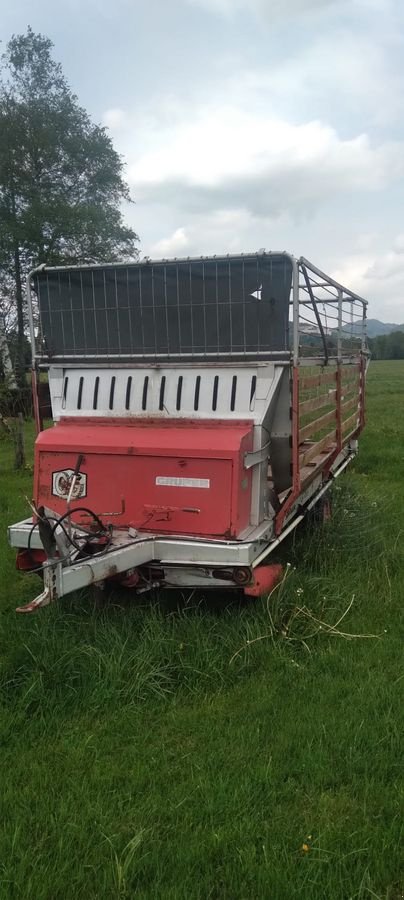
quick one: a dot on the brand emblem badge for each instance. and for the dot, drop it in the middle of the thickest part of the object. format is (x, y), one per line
(61, 483)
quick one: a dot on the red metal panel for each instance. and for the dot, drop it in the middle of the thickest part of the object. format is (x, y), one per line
(265, 578)
(180, 480)
(118, 436)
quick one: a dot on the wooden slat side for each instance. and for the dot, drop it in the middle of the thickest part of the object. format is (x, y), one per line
(350, 391)
(349, 423)
(316, 425)
(314, 467)
(350, 370)
(309, 381)
(326, 443)
(350, 387)
(317, 402)
(353, 403)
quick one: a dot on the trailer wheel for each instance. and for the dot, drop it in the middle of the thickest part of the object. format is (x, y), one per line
(320, 513)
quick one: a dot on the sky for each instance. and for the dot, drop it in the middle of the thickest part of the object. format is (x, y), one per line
(249, 124)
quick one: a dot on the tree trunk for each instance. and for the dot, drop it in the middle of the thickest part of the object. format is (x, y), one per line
(20, 364)
(5, 359)
(19, 299)
(19, 444)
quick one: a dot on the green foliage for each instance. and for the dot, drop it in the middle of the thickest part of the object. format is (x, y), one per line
(216, 750)
(387, 346)
(12, 342)
(61, 181)
(14, 401)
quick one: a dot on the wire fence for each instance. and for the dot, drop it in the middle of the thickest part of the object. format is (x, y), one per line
(232, 308)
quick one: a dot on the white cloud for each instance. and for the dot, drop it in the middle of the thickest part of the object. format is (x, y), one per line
(359, 73)
(272, 9)
(352, 272)
(267, 8)
(398, 245)
(114, 118)
(389, 266)
(226, 231)
(228, 158)
(176, 244)
(295, 148)
(222, 178)
(378, 278)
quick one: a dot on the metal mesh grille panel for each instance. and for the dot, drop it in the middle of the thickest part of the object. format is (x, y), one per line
(231, 307)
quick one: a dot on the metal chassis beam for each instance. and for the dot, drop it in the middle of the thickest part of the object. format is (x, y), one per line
(143, 550)
(146, 548)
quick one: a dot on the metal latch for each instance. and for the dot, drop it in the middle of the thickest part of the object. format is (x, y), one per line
(256, 456)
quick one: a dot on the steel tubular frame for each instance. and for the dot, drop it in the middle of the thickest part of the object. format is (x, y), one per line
(316, 302)
(334, 294)
(316, 290)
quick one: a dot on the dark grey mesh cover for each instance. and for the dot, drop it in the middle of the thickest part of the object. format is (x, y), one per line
(234, 306)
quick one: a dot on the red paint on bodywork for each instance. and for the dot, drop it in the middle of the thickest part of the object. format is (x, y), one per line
(27, 560)
(265, 579)
(123, 462)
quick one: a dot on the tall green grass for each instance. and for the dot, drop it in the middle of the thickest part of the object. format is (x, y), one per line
(217, 749)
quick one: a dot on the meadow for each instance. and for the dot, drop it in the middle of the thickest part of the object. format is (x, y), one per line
(216, 750)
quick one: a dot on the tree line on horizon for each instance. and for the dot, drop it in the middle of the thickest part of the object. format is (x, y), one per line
(387, 346)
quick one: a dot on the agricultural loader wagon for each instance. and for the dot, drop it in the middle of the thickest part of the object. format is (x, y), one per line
(201, 408)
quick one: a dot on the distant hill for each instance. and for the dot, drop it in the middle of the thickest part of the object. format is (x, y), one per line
(375, 327)
(386, 341)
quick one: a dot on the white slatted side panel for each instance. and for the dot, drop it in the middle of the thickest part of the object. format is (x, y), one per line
(209, 392)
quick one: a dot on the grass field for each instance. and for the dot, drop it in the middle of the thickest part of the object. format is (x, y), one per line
(151, 752)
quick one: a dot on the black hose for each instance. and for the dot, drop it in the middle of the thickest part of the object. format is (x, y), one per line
(58, 523)
(102, 529)
(29, 549)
